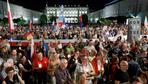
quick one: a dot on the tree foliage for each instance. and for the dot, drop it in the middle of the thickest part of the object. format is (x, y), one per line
(43, 19)
(104, 21)
(19, 21)
(52, 18)
(84, 19)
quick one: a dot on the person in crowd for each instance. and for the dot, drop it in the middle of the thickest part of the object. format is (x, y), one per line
(72, 63)
(54, 63)
(40, 65)
(122, 76)
(142, 75)
(14, 56)
(91, 47)
(8, 63)
(113, 68)
(69, 50)
(97, 45)
(143, 60)
(133, 67)
(98, 66)
(136, 80)
(12, 77)
(4, 53)
(1, 69)
(25, 68)
(84, 73)
(61, 74)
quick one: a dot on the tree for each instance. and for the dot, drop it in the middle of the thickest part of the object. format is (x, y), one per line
(52, 18)
(19, 21)
(1, 21)
(104, 21)
(84, 19)
(5, 20)
(43, 19)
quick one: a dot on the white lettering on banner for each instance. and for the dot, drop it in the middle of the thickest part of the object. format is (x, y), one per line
(134, 27)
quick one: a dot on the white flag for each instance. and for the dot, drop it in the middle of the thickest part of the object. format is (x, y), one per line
(146, 22)
(126, 21)
(32, 47)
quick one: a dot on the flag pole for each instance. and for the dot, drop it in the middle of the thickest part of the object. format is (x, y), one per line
(32, 47)
(30, 25)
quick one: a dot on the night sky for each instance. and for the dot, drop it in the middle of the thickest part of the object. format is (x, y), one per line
(39, 5)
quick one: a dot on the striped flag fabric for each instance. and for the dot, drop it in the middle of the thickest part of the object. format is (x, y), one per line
(30, 25)
(11, 25)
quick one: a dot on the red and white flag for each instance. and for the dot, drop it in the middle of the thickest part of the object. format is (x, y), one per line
(30, 25)
(10, 17)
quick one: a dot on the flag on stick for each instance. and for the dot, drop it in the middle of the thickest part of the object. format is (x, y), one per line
(10, 18)
(146, 22)
(30, 25)
(32, 47)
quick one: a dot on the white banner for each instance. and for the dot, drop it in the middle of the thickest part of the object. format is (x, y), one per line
(134, 29)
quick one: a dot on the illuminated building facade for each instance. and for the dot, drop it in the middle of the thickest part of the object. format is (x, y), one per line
(71, 14)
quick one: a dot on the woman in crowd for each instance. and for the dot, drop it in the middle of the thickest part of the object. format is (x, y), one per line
(40, 65)
(98, 65)
(84, 72)
(54, 62)
(25, 68)
(113, 67)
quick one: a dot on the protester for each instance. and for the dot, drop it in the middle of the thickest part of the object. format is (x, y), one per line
(62, 75)
(40, 65)
(122, 76)
(12, 77)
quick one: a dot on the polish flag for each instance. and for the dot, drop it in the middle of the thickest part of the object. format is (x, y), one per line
(10, 18)
(30, 25)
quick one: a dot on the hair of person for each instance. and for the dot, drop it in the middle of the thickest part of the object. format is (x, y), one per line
(142, 73)
(123, 61)
(9, 69)
(13, 49)
(100, 53)
(137, 79)
(63, 60)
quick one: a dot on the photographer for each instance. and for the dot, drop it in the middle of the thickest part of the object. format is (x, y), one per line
(12, 77)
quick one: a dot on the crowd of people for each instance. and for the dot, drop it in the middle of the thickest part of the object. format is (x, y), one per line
(98, 60)
(69, 32)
